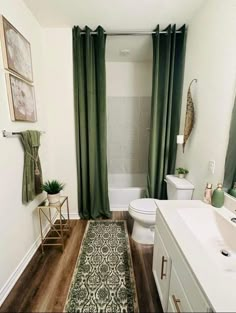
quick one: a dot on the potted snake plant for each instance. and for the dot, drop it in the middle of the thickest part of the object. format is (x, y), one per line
(53, 189)
(182, 172)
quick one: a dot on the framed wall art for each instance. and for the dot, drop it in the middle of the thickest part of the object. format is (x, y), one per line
(21, 99)
(16, 51)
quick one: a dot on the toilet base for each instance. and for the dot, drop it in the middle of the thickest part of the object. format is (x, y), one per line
(143, 234)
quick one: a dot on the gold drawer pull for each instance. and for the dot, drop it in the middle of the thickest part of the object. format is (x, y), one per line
(176, 302)
(163, 261)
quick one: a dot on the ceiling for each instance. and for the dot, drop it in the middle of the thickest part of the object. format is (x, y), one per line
(114, 15)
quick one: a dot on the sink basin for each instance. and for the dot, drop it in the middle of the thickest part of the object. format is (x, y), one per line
(215, 233)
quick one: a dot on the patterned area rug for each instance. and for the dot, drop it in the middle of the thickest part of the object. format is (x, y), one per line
(103, 280)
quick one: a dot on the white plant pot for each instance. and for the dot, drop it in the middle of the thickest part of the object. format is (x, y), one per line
(181, 175)
(52, 199)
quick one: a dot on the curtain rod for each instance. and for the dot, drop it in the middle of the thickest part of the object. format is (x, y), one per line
(130, 33)
(7, 134)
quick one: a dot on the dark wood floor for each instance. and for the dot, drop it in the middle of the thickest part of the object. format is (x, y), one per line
(44, 284)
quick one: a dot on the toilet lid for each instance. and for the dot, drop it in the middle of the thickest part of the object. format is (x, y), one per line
(145, 206)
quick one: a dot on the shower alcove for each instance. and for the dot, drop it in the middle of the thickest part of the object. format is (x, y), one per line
(128, 87)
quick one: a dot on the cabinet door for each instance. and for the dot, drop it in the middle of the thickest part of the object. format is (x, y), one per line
(171, 308)
(161, 269)
(177, 297)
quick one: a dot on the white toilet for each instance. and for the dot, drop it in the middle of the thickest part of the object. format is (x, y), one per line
(143, 210)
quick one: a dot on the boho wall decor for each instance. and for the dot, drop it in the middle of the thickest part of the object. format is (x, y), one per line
(189, 117)
(16, 51)
(21, 99)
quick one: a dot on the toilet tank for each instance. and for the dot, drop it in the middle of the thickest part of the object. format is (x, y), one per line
(178, 188)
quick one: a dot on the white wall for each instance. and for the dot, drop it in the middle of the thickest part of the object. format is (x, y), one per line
(59, 101)
(19, 223)
(210, 57)
(129, 79)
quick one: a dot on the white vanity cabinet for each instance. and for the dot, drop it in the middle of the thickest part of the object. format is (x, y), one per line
(176, 284)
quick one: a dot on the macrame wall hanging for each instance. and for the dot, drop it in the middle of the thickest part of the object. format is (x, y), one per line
(189, 117)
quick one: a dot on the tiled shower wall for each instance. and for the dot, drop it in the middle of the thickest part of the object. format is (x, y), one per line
(128, 131)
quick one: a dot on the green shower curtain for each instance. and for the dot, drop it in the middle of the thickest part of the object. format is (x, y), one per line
(167, 81)
(90, 122)
(230, 160)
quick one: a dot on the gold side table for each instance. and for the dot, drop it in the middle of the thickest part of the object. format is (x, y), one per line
(60, 228)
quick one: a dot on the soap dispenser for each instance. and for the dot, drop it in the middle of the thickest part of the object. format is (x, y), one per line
(218, 196)
(232, 191)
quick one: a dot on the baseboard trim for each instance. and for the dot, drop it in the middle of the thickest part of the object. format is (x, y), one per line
(118, 209)
(74, 216)
(7, 287)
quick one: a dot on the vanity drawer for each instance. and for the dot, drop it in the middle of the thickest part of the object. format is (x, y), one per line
(178, 301)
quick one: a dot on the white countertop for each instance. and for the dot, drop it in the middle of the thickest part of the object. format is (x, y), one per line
(216, 280)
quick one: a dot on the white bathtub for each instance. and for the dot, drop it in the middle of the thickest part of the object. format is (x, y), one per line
(123, 188)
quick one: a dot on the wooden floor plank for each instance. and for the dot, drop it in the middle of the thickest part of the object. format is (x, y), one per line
(44, 284)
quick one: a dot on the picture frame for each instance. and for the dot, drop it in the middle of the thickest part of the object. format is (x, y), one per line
(16, 51)
(21, 99)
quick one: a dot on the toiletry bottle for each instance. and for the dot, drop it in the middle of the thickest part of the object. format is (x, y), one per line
(218, 197)
(232, 191)
(208, 193)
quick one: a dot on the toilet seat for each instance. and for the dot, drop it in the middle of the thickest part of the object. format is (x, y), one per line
(144, 206)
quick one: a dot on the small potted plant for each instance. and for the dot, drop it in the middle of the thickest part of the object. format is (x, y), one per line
(182, 172)
(53, 189)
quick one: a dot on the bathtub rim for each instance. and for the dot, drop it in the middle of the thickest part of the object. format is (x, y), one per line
(124, 207)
